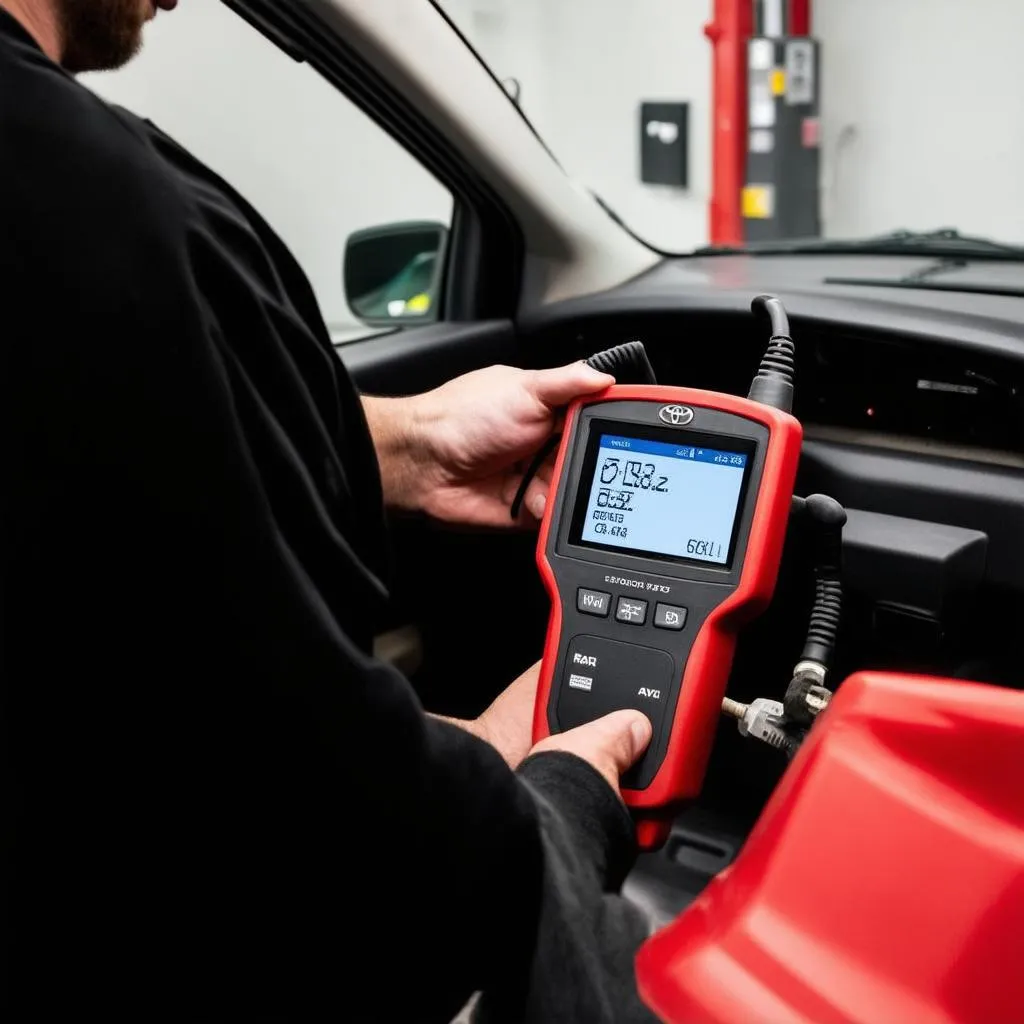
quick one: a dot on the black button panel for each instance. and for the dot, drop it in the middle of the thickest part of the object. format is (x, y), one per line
(639, 669)
(631, 610)
(601, 676)
(669, 616)
(593, 602)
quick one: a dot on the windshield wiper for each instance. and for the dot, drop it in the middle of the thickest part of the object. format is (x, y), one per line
(925, 279)
(927, 285)
(945, 240)
(941, 242)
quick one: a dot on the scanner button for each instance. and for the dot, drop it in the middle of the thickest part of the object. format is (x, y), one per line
(593, 602)
(600, 676)
(630, 610)
(669, 616)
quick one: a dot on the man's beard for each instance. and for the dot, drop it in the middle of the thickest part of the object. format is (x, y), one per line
(100, 35)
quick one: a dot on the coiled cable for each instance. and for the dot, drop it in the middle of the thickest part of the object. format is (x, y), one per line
(806, 693)
(628, 364)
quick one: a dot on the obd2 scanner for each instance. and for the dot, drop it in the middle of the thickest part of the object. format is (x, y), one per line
(663, 535)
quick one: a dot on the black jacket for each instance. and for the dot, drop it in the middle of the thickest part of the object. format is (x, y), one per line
(222, 806)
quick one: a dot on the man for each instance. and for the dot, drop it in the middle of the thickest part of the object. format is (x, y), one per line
(222, 806)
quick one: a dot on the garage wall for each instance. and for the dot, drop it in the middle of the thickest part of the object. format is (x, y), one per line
(314, 165)
(923, 105)
(585, 67)
(923, 108)
(923, 115)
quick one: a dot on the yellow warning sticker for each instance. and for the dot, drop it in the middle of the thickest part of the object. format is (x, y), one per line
(778, 82)
(758, 202)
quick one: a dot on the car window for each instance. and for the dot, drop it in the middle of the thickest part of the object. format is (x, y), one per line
(314, 165)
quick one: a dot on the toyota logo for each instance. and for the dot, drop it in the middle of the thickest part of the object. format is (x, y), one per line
(675, 415)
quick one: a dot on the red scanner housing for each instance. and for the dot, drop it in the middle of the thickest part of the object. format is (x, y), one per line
(721, 599)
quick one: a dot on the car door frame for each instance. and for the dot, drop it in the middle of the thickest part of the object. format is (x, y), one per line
(484, 260)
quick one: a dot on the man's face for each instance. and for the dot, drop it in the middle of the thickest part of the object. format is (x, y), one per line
(100, 35)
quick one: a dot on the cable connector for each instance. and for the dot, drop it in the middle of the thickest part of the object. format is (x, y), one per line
(761, 719)
(806, 695)
(773, 384)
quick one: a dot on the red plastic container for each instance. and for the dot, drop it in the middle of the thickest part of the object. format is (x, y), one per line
(884, 882)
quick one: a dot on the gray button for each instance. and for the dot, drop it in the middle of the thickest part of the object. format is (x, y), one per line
(631, 610)
(669, 616)
(593, 602)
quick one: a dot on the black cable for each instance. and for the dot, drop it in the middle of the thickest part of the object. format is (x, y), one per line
(827, 519)
(824, 625)
(770, 308)
(773, 383)
(628, 364)
(532, 470)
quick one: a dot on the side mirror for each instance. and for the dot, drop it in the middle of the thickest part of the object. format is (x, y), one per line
(392, 273)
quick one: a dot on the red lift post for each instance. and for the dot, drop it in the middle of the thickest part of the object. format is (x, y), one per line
(729, 33)
(799, 17)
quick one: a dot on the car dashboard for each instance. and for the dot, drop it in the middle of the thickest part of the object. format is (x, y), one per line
(912, 403)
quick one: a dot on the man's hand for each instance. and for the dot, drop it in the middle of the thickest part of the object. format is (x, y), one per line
(459, 452)
(612, 744)
(508, 723)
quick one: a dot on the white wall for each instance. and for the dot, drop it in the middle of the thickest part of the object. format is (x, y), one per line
(585, 67)
(923, 115)
(314, 165)
(922, 105)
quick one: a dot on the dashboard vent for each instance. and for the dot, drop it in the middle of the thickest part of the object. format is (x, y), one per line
(855, 387)
(909, 389)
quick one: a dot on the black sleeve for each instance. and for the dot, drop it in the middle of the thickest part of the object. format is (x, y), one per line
(587, 935)
(224, 801)
(222, 807)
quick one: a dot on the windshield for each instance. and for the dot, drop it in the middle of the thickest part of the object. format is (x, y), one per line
(851, 120)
